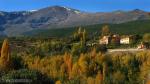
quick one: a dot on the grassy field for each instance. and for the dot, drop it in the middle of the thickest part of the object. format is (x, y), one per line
(134, 27)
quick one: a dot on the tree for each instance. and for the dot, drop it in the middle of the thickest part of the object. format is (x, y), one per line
(75, 50)
(104, 71)
(63, 71)
(99, 78)
(79, 30)
(5, 62)
(118, 77)
(78, 48)
(90, 80)
(144, 69)
(68, 61)
(75, 70)
(105, 30)
(58, 82)
(84, 36)
(33, 77)
(78, 34)
(146, 37)
(83, 63)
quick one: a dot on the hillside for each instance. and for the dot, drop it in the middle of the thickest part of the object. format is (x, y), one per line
(133, 27)
(16, 23)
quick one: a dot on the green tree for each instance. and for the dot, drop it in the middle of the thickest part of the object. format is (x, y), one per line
(33, 77)
(84, 36)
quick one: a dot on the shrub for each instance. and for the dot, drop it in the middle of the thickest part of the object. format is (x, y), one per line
(26, 76)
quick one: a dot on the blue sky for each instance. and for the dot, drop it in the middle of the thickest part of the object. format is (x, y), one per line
(84, 5)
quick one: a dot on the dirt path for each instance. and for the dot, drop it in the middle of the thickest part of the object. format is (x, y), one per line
(125, 50)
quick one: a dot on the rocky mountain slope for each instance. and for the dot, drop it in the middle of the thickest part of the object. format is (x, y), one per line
(16, 23)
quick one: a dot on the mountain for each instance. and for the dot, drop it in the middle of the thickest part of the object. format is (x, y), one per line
(17, 23)
(139, 27)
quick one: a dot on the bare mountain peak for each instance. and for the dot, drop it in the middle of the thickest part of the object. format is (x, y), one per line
(64, 8)
(133, 11)
(138, 11)
(16, 23)
(1, 13)
(119, 11)
(67, 8)
(33, 10)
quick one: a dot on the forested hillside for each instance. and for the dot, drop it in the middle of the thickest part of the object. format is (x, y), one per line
(134, 27)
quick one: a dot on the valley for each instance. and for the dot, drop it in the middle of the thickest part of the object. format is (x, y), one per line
(62, 45)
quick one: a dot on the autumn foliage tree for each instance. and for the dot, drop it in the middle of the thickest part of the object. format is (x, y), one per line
(99, 78)
(5, 61)
(93, 67)
(80, 35)
(68, 61)
(105, 30)
(146, 37)
(58, 82)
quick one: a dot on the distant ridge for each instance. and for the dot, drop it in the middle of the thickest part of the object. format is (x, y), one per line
(17, 23)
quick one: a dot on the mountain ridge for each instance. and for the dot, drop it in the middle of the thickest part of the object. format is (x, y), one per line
(16, 23)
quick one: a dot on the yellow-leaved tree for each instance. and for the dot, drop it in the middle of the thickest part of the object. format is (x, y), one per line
(68, 61)
(58, 82)
(5, 62)
(99, 78)
(105, 30)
